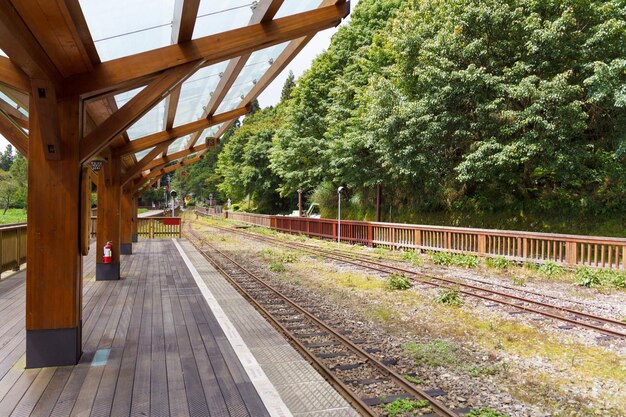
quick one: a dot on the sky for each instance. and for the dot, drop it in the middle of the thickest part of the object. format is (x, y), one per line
(299, 65)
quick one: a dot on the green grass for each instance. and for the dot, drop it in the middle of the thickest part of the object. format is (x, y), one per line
(435, 353)
(454, 259)
(499, 262)
(142, 210)
(13, 215)
(588, 277)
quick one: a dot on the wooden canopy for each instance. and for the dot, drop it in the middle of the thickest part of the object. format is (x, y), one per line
(48, 53)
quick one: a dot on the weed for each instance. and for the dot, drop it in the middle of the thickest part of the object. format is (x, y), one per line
(485, 412)
(587, 277)
(449, 296)
(441, 258)
(465, 261)
(614, 278)
(277, 267)
(405, 405)
(518, 281)
(413, 379)
(434, 353)
(398, 282)
(498, 263)
(550, 269)
(413, 257)
(289, 258)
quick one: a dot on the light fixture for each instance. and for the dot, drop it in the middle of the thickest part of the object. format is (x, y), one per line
(96, 163)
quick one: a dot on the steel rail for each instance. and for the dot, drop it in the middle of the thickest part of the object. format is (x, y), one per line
(426, 279)
(436, 405)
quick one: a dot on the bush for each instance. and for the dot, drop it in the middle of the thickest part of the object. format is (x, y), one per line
(550, 269)
(449, 296)
(588, 277)
(399, 282)
(498, 263)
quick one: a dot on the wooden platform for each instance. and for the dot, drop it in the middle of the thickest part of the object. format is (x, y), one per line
(152, 347)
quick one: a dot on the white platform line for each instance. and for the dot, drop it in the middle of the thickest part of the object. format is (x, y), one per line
(270, 397)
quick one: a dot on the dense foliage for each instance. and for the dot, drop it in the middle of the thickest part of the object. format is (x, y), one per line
(465, 106)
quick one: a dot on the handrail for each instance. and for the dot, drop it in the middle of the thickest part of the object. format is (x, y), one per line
(12, 246)
(567, 249)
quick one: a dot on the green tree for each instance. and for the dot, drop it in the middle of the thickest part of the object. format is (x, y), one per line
(6, 158)
(290, 83)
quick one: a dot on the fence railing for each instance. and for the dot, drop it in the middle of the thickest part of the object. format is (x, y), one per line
(570, 250)
(159, 227)
(13, 246)
(151, 227)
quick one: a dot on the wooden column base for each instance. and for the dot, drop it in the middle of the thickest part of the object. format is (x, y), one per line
(126, 248)
(108, 272)
(53, 347)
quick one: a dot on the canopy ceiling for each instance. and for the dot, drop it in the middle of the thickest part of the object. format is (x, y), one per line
(157, 77)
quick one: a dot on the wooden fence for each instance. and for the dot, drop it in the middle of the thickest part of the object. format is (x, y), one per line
(152, 227)
(13, 249)
(570, 250)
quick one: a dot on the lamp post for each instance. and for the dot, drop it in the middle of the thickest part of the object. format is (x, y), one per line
(339, 190)
(299, 202)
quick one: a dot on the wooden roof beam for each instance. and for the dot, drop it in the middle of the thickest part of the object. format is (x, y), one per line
(185, 15)
(13, 133)
(12, 76)
(140, 165)
(136, 69)
(132, 111)
(149, 141)
(18, 42)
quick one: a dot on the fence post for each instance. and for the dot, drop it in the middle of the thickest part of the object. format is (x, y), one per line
(570, 253)
(482, 245)
(418, 238)
(370, 235)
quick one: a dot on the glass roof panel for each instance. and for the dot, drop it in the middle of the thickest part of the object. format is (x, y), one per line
(196, 93)
(151, 122)
(259, 62)
(178, 145)
(290, 7)
(219, 16)
(123, 98)
(121, 27)
(140, 155)
(3, 54)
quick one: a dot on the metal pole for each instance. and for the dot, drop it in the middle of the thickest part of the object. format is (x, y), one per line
(339, 215)
(299, 203)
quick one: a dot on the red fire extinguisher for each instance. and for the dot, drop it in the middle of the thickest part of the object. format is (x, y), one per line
(107, 253)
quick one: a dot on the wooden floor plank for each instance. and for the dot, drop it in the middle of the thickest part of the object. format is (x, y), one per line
(158, 349)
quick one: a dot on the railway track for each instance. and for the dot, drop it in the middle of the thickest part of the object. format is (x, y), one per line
(356, 368)
(607, 326)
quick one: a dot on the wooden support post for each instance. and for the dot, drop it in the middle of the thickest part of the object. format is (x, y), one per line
(54, 273)
(135, 223)
(126, 245)
(108, 226)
